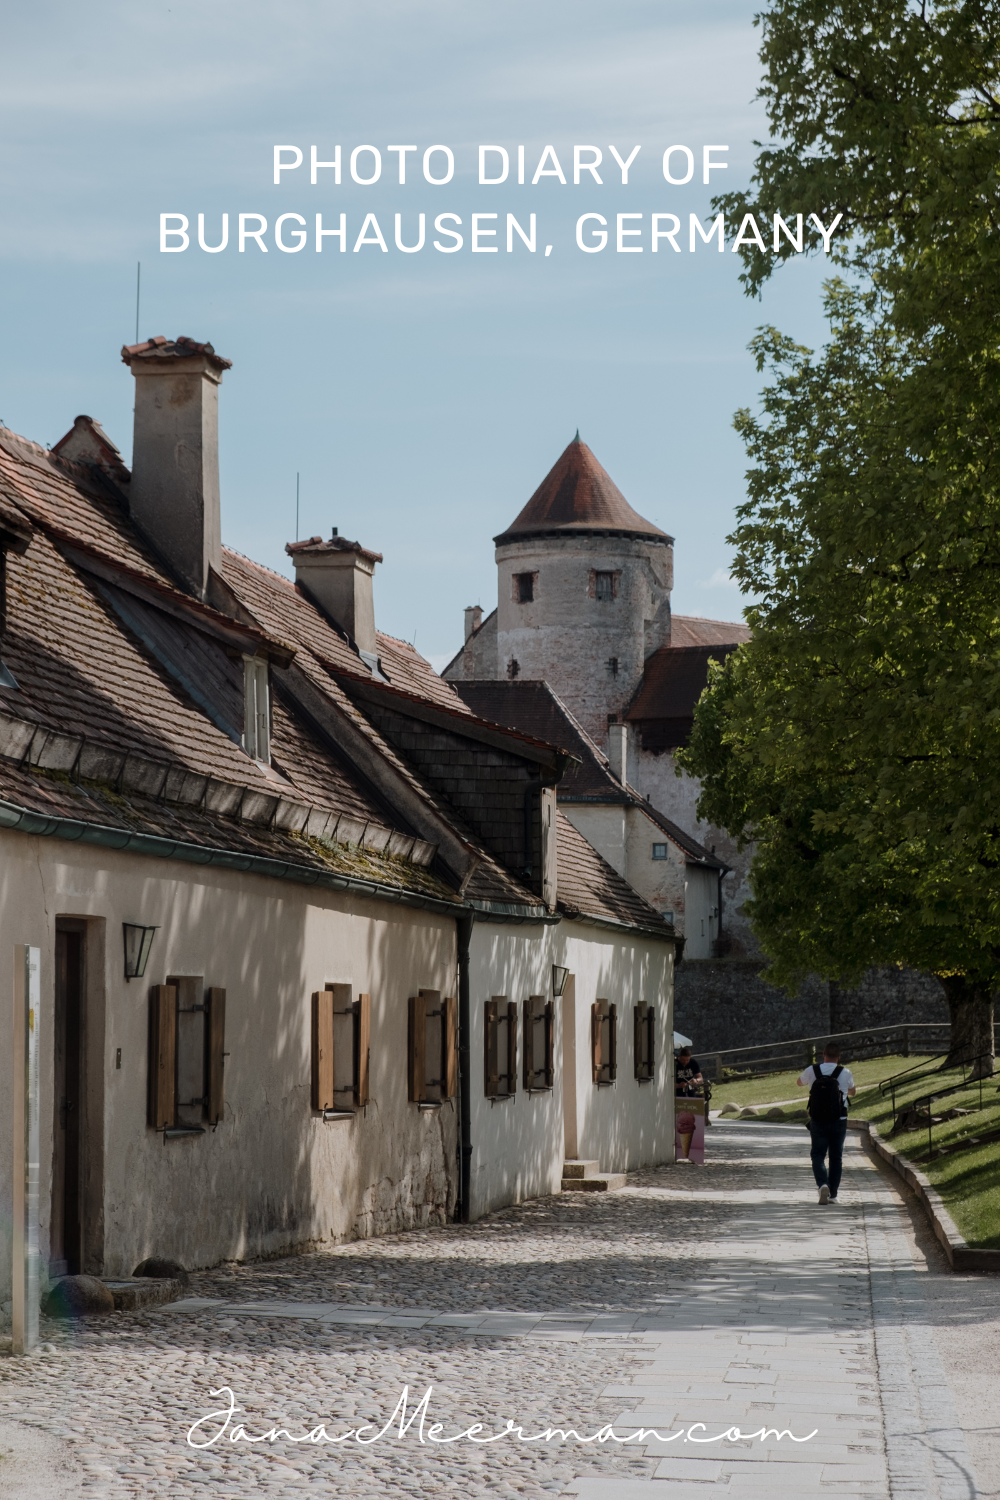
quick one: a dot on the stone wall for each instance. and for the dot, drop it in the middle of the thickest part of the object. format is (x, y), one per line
(885, 997)
(722, 1003)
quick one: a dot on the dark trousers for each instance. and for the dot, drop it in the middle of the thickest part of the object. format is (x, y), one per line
(828, 1136)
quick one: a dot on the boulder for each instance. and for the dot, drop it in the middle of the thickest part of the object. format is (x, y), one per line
(730, 1109)
(160, 1267)
(750, 1113)
(76, 1297)
(775, 1114)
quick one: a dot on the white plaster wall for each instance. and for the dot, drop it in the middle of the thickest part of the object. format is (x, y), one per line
(624, 836)
(627, 1124)
(519, 1144)
(566, 637)
(273, 1175)
(655, 776)
(702, 901)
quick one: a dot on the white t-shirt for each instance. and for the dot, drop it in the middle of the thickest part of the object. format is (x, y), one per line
(846, 1079)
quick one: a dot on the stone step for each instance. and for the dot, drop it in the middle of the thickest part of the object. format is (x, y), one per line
(596, 1182)
(134, 1292)
(576, 1167)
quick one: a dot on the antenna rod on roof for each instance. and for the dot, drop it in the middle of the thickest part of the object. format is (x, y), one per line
(296, 507)
(138, 273)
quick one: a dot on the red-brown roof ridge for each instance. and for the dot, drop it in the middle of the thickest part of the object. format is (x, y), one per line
(578, 495)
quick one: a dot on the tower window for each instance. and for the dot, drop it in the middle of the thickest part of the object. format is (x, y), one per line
(612, 665)
(604, 585)
(524, 587)
(513, 667)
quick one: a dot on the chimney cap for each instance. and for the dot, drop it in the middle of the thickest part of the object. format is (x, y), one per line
(315, 546)
(161, 348)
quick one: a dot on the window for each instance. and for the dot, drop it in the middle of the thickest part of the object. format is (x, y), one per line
(604, 585)
(645, 1023)
(524, 587)
(604, 1041)
(539, 1049)
(659, 851)
(513, 668)
(186, 1055)
(500, 1048)
(612, 665)
(432, 1048)
(256, 709)
(341, 1049)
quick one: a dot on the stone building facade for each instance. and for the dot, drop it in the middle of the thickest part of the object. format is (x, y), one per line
(583, 608)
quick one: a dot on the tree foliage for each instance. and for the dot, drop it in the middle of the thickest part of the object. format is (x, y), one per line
(856, 739)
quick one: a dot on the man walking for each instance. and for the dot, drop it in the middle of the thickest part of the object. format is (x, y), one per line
(830, 1087)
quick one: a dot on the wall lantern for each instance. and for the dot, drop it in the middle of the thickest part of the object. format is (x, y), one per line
(559, 978)
(138, 941)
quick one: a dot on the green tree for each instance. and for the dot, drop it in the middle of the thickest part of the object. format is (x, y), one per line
(856, 739)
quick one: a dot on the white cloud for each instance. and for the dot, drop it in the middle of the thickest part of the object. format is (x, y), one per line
(720, 579)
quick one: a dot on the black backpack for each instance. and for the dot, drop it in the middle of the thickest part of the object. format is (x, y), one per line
(826, 1102)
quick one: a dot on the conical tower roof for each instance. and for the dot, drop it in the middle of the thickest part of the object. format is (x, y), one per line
(578, 496)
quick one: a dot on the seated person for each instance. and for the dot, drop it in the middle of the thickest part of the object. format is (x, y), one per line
(689, 1082)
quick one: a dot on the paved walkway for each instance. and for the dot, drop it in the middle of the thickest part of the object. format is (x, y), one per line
(721, 1295)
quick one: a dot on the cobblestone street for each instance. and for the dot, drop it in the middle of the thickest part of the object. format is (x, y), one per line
(720, 1294)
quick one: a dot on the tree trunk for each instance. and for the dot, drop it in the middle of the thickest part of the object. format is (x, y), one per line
(971, 1009)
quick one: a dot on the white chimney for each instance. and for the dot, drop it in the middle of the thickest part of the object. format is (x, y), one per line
(338, 574)
(174, 493)
(473, 619)
(618, 751)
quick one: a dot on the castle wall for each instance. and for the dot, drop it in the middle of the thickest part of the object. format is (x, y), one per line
(590, 650)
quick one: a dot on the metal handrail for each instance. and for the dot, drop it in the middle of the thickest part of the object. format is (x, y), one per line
(890, 1083)
(803, 1049)
(955, 1088)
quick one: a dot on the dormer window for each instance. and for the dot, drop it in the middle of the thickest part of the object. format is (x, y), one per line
(256, 709)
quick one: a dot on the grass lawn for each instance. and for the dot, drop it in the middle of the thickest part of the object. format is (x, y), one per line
(965, 1164)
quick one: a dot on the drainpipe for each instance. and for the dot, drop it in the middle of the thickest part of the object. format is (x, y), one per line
(465, 1068)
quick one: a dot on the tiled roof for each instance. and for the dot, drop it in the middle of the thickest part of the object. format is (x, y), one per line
(673, 681)
(534, 708)
(692, 630)
(128, 710)
(161, 348)
(577, 495)
(314, 546)
(589, 886)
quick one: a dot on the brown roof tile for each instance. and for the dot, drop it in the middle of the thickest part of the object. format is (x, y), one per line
(692, 630)
(578, 495)
(589, 886)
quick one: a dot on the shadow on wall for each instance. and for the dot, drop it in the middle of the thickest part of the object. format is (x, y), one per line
(273, 1176)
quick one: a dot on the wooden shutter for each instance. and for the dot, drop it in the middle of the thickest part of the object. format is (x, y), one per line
(642, 1019)
(449, 1043)
(651, 1042)
(362, 1048)
(491, 1078)
(322, 1049)
(550, 1044)
(512, 1047)
(162, 1056)
(529, 1043)
(612, 1042)
(596, 1051)
(417, 1048)
(215, 1042)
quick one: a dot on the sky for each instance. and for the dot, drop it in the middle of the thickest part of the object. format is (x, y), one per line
(421, 398)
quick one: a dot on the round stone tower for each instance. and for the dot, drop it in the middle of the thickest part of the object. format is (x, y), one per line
(583, 591)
